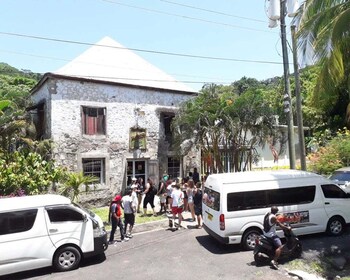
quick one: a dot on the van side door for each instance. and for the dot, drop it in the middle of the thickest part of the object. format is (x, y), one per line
(24, 243)
(66, 224)
(336, 201)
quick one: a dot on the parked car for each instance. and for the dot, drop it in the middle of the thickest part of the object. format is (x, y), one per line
(342, 177)
(47, 230)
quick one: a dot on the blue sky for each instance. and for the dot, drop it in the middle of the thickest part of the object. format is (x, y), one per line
(237, 31)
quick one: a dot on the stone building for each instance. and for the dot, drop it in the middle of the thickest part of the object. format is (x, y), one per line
(108, 113)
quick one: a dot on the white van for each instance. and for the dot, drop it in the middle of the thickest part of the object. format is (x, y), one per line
(47, 230)
(234, 204)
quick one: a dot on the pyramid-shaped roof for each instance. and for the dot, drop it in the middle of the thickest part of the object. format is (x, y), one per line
(109, 61)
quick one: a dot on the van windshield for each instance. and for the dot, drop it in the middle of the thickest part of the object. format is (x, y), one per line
(92, 214)
(211, 199)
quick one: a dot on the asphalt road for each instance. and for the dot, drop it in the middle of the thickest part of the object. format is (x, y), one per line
(163, 254)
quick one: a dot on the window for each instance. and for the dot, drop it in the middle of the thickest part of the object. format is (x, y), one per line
(18, 221)
(333, 191)
(173, 167)
(137, 169)
(94, 121)
(267, 198)
(167, 119)
(57, 215)
(94, 167)
(211, 199)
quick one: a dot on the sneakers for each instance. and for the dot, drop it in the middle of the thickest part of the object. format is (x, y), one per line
(274, 264)
(125, 239)
(128, 235)
(110, 242)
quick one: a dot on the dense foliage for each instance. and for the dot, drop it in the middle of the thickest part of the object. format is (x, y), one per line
(26, 166)
(230, 119)
(331, 155)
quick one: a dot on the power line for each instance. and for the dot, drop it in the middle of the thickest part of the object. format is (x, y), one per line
(186, 17)
(98, 64)
(211, 11)
(140, 50)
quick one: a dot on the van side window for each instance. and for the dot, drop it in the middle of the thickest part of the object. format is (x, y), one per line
(333, 191)
(64, 215)
(211, 199)
(18, 221)
(267, 198)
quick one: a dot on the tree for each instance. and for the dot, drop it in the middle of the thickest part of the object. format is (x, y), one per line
(73, 182)
(219, 122)
(324, 38)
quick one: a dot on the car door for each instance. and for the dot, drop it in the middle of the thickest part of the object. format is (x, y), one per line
(24, 243)
(336, 201)
(66, 224)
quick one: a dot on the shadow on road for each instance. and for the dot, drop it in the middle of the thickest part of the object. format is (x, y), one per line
(215, 247)
(49, 270)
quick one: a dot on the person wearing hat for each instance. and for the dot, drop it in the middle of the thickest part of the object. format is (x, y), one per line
(270, 223)
(115, 216)
(134, 188)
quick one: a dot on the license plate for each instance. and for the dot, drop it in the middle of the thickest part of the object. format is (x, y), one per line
(210, 217)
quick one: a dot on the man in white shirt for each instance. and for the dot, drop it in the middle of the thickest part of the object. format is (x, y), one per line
(129, 212)
(177, 203)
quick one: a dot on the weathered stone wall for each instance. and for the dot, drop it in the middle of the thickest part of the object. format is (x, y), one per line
(126, 107)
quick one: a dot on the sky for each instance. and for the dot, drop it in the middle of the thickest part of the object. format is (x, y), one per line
(232, 36)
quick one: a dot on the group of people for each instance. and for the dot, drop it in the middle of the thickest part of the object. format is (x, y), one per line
(186, 196)
(175, 196)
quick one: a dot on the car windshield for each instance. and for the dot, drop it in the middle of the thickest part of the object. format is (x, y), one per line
(340, 176)
(92, 214)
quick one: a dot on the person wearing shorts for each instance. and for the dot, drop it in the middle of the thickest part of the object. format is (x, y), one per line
(129, 213)
(270, 222)
(176, 195)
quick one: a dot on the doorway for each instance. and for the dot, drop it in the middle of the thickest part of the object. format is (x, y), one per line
(137, 169)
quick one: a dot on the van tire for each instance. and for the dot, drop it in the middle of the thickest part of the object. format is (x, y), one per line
(66, 258)
(249, 237)
(335, 226)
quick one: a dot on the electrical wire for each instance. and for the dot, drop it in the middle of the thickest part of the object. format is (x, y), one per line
(141, 50)
(114, 67)
(211, 11)
(187, 17)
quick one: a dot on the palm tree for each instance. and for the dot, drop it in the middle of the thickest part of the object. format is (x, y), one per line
(73, 182)
(324, 38)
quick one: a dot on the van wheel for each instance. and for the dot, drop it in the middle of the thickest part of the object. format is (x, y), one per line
(249, 237)
(335, 226)
(66, 258)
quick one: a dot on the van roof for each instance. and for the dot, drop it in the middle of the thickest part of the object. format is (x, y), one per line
(30, 201)
(260, 176)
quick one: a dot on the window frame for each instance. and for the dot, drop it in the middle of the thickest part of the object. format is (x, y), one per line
(63, 217)
(270, 197)
(101, 171)
(329, 193)
(10, 221)
(96, 125)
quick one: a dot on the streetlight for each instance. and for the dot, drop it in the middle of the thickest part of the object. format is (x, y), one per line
(277, 11)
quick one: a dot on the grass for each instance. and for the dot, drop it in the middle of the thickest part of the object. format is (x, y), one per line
(102, 212)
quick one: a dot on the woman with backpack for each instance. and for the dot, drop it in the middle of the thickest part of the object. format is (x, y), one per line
(149, 193)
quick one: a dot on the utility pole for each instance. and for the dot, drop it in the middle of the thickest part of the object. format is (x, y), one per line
(287, 96)
(298, 102)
